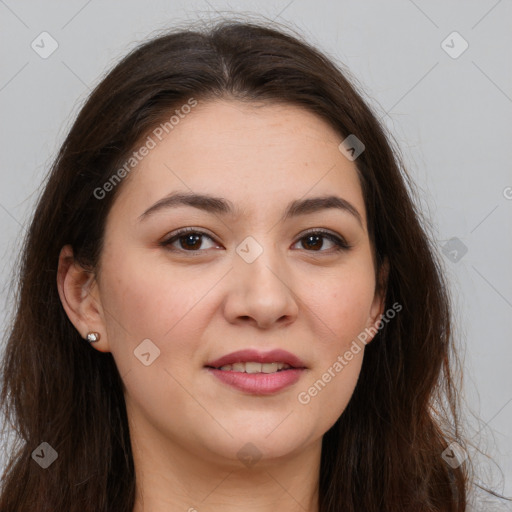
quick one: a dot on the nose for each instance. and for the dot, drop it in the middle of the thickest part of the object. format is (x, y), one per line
(260, 293)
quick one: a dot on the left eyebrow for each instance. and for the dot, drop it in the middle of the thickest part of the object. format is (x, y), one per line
(221, 206)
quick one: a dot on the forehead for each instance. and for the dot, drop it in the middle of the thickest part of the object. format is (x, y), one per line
(256, 155)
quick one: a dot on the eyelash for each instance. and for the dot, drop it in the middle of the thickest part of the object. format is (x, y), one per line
(339, 243)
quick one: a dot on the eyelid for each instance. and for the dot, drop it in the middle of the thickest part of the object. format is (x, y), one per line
(189, 229)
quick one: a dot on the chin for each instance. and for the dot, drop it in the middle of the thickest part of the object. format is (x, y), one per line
(249, 446)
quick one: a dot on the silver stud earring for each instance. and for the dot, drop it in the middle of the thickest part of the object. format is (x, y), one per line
(92, 337)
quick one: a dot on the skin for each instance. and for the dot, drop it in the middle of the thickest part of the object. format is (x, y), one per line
(186, 426)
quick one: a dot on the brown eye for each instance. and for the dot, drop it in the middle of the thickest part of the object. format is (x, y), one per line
(187, 240)
(190, 241)
(315, 242)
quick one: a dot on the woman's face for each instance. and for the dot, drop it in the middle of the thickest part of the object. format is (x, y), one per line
(252, 279)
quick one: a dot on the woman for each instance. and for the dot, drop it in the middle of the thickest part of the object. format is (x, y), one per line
(227, 299)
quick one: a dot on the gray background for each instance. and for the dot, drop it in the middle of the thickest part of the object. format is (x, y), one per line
(450, 117)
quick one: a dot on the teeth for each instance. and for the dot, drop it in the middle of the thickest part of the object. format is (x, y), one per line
(269, 367)
(253, 367)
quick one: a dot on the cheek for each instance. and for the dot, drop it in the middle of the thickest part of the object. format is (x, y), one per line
(326, 393)
(152, 302)
(341, 307)
(155, 303)
(342, 304)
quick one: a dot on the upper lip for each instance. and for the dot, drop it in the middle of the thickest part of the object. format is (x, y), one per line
(249, 355)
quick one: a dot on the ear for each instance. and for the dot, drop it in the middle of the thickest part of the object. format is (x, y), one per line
(379, 300)
(78, 293)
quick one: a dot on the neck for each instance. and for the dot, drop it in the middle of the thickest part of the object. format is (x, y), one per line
(170, 477)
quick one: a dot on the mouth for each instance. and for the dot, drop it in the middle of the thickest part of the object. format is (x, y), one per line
(254, 361)
(257, 373)
(253, 367)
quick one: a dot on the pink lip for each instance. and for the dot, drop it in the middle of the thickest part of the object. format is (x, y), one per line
(259, 383)
(248, 355)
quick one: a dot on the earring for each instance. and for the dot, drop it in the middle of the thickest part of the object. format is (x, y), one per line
(93, 337)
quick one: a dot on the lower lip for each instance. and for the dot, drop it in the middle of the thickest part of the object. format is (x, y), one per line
(259, 383)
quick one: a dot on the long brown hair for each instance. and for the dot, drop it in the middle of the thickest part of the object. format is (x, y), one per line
(385, 451)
